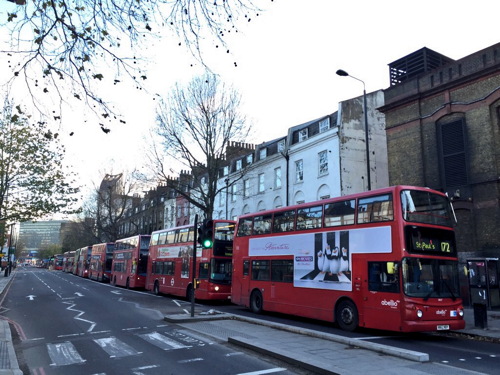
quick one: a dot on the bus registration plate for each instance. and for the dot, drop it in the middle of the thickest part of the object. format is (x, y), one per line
(443, 327)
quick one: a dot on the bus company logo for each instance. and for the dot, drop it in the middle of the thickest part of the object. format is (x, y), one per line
(393, 304)
(441, 312)
(273, 246)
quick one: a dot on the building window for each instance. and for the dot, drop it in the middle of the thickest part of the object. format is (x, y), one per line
(302, 135)
(250, 159)
(277, 178)
(263, 153)
(281, 145)
(234, 192)
(246, 188)
(324, 125)
(225, 170)
(299, 171)
(261, 183)
(222, 200)
(453, 153)
(323, 163)
(239, 164)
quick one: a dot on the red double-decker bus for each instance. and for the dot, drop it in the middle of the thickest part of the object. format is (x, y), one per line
(130, 261)
(82, 261)
(100, 261)
(170, 263)
(383, 259)
(57, 262)
(68, 264)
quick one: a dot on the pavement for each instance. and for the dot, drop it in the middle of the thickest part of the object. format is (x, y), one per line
(314, 352)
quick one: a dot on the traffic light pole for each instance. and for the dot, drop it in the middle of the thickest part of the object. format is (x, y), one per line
(193, 278)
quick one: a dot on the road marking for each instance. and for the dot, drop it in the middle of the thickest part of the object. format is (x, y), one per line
(162, 342)
(79, 294)
(190, 360)
(270, 371)
(63, 354)
(77, 317)
(116, 348)
(138, 370)
(31, 297)
(233, 354)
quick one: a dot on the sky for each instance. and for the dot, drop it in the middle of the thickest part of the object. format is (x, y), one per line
(286, 63)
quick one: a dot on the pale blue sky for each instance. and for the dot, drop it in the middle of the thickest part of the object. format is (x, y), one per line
(287, 58)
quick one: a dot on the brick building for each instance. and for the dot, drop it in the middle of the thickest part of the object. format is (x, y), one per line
(443, 131)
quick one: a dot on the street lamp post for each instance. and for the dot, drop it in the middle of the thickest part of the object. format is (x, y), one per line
(343, 73)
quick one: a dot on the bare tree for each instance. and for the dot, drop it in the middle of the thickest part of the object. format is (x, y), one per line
(59, 45)
(79, 233)
(196, 125)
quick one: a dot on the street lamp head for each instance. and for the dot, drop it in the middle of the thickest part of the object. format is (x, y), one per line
(342, 73)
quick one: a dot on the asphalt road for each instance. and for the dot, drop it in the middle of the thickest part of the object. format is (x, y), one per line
(69, 325)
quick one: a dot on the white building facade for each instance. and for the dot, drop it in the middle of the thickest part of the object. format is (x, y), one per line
(323, 158)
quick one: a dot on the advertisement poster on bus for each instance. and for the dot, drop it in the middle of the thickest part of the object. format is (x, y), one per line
(323, 260)
(185, 252)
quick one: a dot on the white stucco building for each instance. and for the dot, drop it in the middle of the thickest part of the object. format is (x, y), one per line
(322, 158)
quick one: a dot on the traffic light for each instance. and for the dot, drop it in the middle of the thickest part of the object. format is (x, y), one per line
(206, 234)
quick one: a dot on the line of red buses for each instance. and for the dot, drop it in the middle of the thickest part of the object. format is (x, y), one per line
(383, 259)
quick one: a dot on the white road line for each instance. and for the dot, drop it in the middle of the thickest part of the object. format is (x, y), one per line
(270, 371)
(233, 354)
(77, 317)
(97, 332)
(190, 360)
(116, 348)
(162, 342)
(145, 367)
(63, 354)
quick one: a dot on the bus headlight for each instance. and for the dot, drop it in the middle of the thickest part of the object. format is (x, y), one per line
(216, 288)
(461, 312)
(420, 313)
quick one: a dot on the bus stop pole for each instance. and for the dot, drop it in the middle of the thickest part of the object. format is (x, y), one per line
(193, 278)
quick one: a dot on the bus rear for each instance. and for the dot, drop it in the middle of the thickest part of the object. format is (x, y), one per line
(130, 260)
(171, 262)
(100, 262)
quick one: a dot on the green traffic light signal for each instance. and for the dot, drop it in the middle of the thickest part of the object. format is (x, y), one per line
(207, 243)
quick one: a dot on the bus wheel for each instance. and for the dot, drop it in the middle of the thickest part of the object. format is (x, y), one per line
(256, 302)
(346, 315)
(156, 288)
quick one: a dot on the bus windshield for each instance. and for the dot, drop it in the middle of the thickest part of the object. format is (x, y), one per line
(426, 207)
(430, 278)
(224, 231)
(221, 271)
